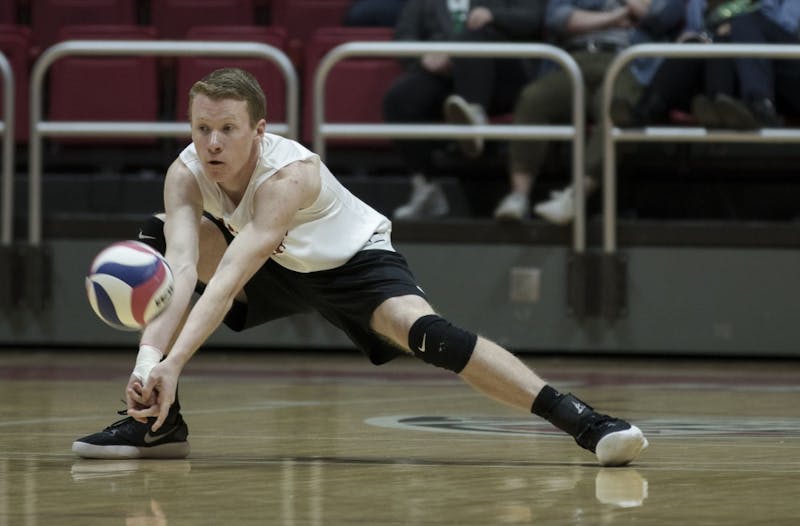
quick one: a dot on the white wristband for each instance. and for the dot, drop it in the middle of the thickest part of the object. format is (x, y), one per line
(147, 358)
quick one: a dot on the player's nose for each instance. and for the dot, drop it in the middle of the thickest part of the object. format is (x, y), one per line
(215, 141)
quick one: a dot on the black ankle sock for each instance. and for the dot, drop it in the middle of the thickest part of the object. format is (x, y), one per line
(545, 400)
(174, 409)
(564, 411)
(172, 416)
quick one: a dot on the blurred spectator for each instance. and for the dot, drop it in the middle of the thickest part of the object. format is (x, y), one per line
(593, 31)
(462, 90)
(766, 86)
(373, 13)
(741, 93)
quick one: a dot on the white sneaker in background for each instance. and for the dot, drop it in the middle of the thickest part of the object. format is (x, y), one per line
(560, 208)
(458, 111)
(513, 207)
(427, 201)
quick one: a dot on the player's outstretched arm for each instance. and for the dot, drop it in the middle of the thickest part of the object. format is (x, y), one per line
(183, 208)
(277, 200)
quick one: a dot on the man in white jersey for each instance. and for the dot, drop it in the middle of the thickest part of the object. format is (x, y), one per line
(258, 225)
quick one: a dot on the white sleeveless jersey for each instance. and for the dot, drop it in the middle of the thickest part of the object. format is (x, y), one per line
(323, 236)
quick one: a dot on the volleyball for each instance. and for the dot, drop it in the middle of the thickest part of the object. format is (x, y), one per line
(129, 284)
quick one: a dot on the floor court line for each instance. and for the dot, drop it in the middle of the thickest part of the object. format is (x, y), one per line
(312, 460)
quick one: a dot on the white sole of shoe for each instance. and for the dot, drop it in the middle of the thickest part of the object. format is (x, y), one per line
(456, 111)
(556, 218)
(171, 450)
(621, 447)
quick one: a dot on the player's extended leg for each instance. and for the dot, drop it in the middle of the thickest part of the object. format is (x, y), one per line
(128, 438)
(410, 322)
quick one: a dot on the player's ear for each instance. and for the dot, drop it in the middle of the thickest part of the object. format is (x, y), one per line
(261, 127)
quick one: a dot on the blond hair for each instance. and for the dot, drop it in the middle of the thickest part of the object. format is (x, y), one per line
(232, 83)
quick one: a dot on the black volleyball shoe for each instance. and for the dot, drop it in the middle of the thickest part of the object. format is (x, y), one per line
(129, 438)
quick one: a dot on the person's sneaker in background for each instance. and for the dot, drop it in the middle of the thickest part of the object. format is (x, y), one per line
(427, 201)
(514, 207)
(458, 111)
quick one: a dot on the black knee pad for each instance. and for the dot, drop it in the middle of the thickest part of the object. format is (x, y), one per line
(151, 232)
(436, 341)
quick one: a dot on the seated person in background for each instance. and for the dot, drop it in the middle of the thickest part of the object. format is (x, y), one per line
(593, 31)
(765, 86)
(724, 93)
(463, 90)
(373, 13)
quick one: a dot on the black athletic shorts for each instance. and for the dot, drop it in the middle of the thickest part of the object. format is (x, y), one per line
(346, 296)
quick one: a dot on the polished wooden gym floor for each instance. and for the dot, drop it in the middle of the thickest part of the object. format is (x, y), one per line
(314, 439)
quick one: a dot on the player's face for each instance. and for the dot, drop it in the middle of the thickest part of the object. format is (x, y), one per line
(226, 142)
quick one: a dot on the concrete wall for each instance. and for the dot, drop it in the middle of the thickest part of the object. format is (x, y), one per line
(680, 300)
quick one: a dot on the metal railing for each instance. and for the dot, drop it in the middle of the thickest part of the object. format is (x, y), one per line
(7, 131)
(40, 129)
(612, 134)
(574, 132)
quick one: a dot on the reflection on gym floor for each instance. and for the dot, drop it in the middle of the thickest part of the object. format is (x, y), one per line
(313, 439)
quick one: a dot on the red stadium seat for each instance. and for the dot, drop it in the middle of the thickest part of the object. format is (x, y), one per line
(111, 88)
(8, 12)
(49, 16)
(191, 69)
(301, 18)
(355, 88)
(15, 45)
(174, 18)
